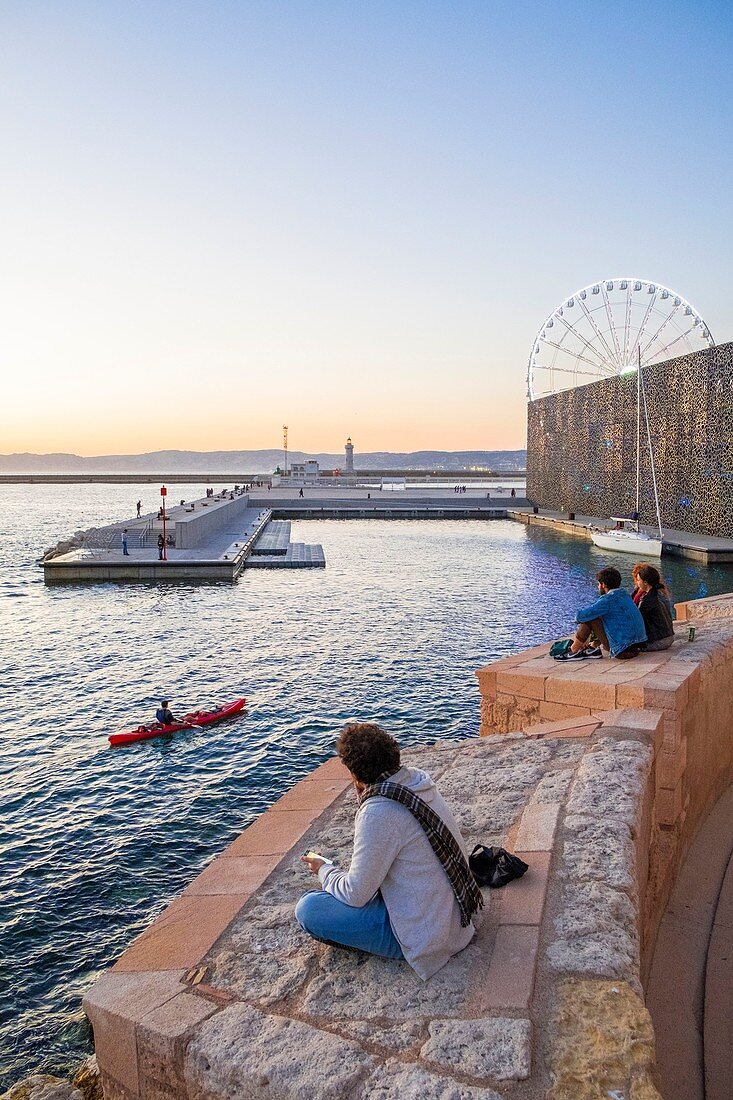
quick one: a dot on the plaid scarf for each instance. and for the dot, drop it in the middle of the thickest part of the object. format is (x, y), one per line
(442, 841)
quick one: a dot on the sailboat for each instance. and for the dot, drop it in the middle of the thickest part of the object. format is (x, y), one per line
(626, 536)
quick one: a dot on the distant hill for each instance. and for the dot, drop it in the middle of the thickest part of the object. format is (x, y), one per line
(256, 461)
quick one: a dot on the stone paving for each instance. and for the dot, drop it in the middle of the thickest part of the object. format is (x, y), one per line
(224, 997)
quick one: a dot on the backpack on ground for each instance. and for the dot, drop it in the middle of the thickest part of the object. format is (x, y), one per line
(495, 867)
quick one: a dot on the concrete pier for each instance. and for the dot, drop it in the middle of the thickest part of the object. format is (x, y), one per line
(208, 539)
(217, 537)
(707, 549)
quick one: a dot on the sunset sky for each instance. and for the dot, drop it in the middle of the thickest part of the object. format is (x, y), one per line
(219, 217)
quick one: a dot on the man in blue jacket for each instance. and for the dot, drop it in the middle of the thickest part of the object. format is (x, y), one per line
(613, 620)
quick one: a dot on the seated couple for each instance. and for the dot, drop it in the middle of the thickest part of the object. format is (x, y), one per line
(622, 625)
(409, 892)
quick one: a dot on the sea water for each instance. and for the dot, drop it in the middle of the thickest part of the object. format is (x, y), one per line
(94, 842)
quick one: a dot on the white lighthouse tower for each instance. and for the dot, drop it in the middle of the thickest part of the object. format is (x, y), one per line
(349, 456)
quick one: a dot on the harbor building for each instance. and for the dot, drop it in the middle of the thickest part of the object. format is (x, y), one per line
(349, 449)
(307, 472)
(581, 445)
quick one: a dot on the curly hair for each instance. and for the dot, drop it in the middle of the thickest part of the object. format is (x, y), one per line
(368, 751)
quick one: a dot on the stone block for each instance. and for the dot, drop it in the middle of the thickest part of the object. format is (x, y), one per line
(595, 933)
(553, 786)
(113, 1090)
(610, 780)
(233, 875)
(601, 1043)
(115, 1004)
(487, 680)
(241, 1052)
(554, 711)
(393, 1038)
(630, 695)
(633, 718)
(599, 849)
(497, 1048)
(272, 833)
(161, 1039)
(331, 769)
(516, 683)
(313, 794)
(536, 832)
(580, 691)
(565, 725)
(687, 671)
(537, 652)
(665, 693)
(670, 766)
(510, 979)
(182, 934)
(352, 986)
(504, 664)
(523, 901)
(668, 804)
(673, 734)
(399, 1081)
(586, 730)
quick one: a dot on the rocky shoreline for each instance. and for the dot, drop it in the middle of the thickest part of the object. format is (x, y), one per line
(85, 1085)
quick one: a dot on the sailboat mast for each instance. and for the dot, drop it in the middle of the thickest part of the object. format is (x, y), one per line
(651, 451)
(638, 436)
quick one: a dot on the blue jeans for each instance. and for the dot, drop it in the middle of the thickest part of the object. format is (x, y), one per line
(326, 918)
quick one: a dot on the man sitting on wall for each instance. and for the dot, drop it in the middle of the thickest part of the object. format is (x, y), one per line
(613, 620)
(408, 893)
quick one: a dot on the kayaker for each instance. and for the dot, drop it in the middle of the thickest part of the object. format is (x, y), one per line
(164, 714)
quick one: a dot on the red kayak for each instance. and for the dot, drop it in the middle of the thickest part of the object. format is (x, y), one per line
(198, 718)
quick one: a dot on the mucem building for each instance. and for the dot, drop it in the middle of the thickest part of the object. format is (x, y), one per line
(582, 412)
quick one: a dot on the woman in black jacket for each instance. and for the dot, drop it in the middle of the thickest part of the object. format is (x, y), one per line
(650, 598)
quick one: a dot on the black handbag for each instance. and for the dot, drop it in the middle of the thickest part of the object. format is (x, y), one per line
(495, 866)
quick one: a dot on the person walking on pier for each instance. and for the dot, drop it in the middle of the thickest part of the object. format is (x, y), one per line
(139, 506)
(161, 546)
(409, 893)
(125, 551)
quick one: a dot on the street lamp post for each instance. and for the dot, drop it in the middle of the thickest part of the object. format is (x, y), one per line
(164, 494)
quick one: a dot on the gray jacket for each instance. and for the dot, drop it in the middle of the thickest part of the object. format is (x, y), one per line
(393, 854)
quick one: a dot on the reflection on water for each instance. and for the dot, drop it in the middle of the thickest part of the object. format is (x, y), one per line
(94, 842)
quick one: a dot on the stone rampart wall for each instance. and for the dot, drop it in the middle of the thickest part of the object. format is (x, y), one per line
(691, 686)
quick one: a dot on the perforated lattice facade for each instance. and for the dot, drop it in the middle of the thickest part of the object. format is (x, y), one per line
(581, 445)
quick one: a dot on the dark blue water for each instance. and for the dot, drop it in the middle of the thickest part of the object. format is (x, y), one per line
(93, 841)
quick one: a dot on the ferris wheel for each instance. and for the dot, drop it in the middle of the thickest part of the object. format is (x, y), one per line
(599, 331)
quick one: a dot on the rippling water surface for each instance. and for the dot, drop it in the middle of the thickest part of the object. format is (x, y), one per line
(94, 842)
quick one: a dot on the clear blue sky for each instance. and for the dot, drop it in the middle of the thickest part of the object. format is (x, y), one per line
(221, 217)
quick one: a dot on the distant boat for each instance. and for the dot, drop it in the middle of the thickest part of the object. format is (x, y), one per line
(626, 537)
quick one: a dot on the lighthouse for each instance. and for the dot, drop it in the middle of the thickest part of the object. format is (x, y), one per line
(349, 456)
